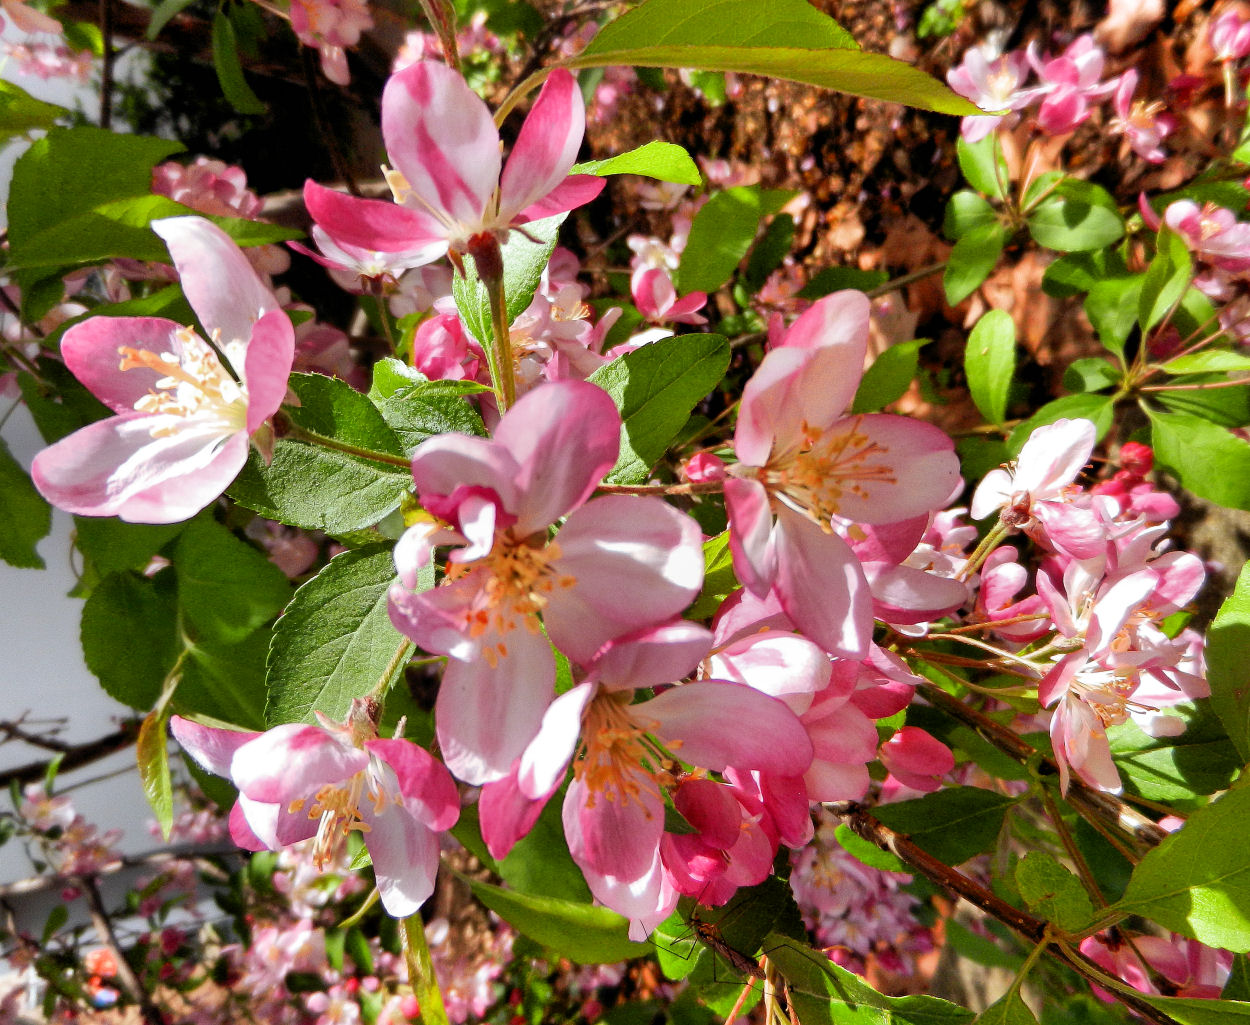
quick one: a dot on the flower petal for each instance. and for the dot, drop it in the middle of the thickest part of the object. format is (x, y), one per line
(428, 790)
(90, 350)
(377, 225)
(546, 146)
(211, 748)
(751, 534)
(293, 761)
(405, 857)
(267, 368)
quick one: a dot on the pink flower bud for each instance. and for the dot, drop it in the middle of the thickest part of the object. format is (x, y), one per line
(704, 466)
(1136, 458)
(916, 759)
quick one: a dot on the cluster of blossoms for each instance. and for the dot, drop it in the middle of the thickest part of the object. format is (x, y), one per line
(70, 844)
(331, 26)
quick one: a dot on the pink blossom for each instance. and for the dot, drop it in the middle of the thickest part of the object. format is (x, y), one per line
(656, 298)
(331, 25)
(297, 781)
(916, 759)
(1070, 82)
(802, 462)
(1230, 36)
(1212, 233)
(618, 564)
(27, 19)
(447, 181)
(183, 420)
(45, 61)
(1145, 125)
(993, 83)
(355, 269)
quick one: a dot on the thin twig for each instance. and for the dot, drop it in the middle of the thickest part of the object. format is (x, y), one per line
(73, 757)
(106, 65)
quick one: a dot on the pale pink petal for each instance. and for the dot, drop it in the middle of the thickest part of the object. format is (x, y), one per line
(437, 619)
(377, 225)
(506, 814)
(542, 765)
(618, 835)
(1053, 456)
(564, 437)
(889, 542)
(576, 190)
(486, 717)
(546, 147)
(1181, 575)
(179, 497)
(707, 718)
(270, 354)
(211, 748)
(293, 761)
(822, 587)
(784, 666)
(443, 141)
(447, 462)
(405, 857)
(768, 415)
(652, 657)
(90, 350)
(994, 492)
(901, 594)
(428, 790)
(1071, 529)
(219, 282)
(751, 534)
(635, 562)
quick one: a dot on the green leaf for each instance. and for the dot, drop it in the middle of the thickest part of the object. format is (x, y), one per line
(770, 251)
(971, 260)
(129, 636)
(1077, 216)
(58, 403)
(1211, 361)
(226, 681)
(966, 211)
(655, 387)
(582, 933)
(1201, 760)
(720, 237)
(1053, 892)
(1008, 1009)
(1238, 985)
(1090, 375)
(1196, 1011)
(834, 279)
(1224, 406)
(335, 642)
(664, 161)
(1206, 458)
(27, 518)
(226, 588)
(952, 824)
(719, 580)
(1227, 655)
(1098, 408)
(112, 545)
(230, 69)
(153, 758)
(869, 853)
(333, 409)
(1112, 309)
(1074, 273)
(990, 362)
(721, 23)
(1197, 881)
(424, 410)
(824, 992)
(977, 160)
(21, 113)
(872, 75)
(320, 489)
(1167, 278)
(523, 264)
(164, 12)
(889, 376)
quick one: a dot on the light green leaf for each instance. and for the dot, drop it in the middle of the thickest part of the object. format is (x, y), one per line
(581, 932)
(1008, 1009)
(524, 260)
(977, 161)
(1077, 216)
(655, 387)
(1195, 1011)
(1090, 375)
(971, 261)
(721, 23)
(1197, 881)
(153, 758)
(27, 518)
(1111, 306)
(226, 588)
(1211, 361)
(1167, 278)
(889, 376)
(21, 113)
(1201, 760)
(1208, 460)
(540, 864)
(335, 642)
(990, 362)
(1053, 892)
(164, 12)
(1227, 655)
(230, 69)
(869, 853)
(719, 580)
(1098, 408)
(664, 161)
(952, 824)
(966, 211)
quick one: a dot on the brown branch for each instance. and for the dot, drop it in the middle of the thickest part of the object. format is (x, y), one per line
(73, 756)
(125, 974)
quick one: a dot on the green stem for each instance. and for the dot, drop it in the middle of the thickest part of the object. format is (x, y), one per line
(421, 972)
(392, 667)
(907, 279)
(300, 434)
(502, 373)
(988, 543)
(519, 92)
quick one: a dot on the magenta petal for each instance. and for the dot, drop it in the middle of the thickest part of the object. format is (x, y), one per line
(822, 587)
(705, 723)
(576, 190)
(268, 366)
(221, 286)
(211, 748)
(751, 534)
(405, 857)
(293, 761)
(546, 146)
(564, 437)
(635, 562)
(427, 787)
(375, 224)
(443, 141)
(90, 350)
(486, 716)
(506, 814)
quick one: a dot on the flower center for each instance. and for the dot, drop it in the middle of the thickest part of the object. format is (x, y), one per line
(833, 462)
(193, 384)
(617, 758)
(337, 805)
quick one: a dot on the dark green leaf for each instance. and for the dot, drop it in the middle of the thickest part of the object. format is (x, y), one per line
(953, 824)
(58, 404)
(834, 279)
(27, 518)
(165, 11)
(226, 681)
(1197, 881)
(420, 411)
(971, 261)
(333, 409)
(1074, 273)
(1206, 458)
(990, 362)
(664, 161)
(130, 636)
(889, 376)
(655, 387)
(1227, 655)
(230, 69)
(1053, 892)
(226, 588)
(335, 642)
(580, 932)
(1112, 309)
(720, 236)
(770, 251)
(1077, 216)
(112, 545)
(168, 302)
